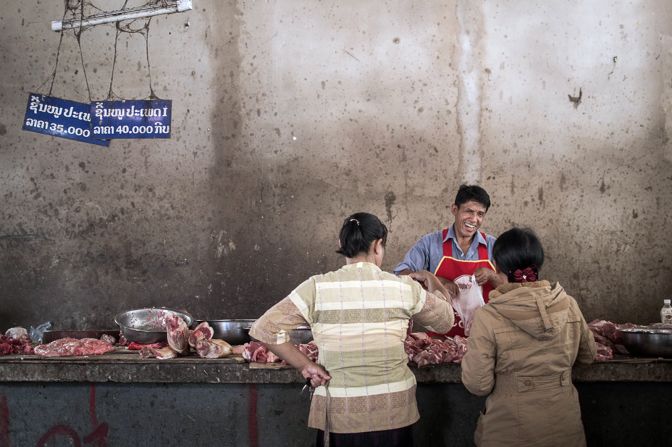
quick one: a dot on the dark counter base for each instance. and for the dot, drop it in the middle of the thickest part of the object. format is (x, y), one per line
(274, 415)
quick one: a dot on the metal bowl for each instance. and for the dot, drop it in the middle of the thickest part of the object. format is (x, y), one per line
(234, 332)
(645, 342)
(147, 325)
(301, 335)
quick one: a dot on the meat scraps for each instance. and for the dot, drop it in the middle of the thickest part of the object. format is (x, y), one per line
(64, 347)
(424, 350)
(15, 341)
(177, 333)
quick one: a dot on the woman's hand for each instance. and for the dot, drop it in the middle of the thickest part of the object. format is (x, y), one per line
(318, 376)
(431, 283)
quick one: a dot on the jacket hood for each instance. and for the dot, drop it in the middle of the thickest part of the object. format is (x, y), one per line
(537, 308)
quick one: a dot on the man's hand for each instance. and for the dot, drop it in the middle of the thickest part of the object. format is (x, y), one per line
(450, 286)
(484, 275)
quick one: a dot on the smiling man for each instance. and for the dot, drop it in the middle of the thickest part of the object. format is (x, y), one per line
(460, 256)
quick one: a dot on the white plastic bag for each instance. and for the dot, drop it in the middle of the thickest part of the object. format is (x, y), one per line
(469, 299)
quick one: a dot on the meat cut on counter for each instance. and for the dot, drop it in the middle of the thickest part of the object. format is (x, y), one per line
(64, 347)
(608, 338)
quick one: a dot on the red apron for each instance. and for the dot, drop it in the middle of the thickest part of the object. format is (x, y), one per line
(460, 271)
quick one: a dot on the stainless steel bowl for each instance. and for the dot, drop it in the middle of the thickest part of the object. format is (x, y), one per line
(234, 332)
(646, 342)
(301, 335)
(146, 325)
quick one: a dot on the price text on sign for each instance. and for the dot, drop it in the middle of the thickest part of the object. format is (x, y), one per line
(60, 118)
(131, 118)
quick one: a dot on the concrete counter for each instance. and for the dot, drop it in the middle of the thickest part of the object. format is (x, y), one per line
(130, 368)
(123, 400)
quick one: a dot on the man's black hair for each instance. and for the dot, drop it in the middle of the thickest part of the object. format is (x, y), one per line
(468, 193)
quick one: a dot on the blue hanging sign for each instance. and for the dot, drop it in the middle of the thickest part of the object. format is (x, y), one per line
(131, 118)
(60, 118)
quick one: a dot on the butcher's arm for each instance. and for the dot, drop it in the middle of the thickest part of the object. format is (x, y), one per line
(417, 257)
(478, 364)
(309, 370)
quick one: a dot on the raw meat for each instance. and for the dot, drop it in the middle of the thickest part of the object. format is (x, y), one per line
(608, 338)
(212, 349)
(177, 333)
(164, 353)
(423, 350)
(73, 347)
(310, 350)
(255, 352)
(16, 333)
(133, 346)
(108, 338)
(15, 341)
(201, 332)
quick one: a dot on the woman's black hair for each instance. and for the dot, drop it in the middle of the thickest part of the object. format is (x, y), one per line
(358, 232)
(516, 251)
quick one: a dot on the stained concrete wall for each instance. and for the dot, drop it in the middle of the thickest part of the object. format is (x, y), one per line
(287, 116)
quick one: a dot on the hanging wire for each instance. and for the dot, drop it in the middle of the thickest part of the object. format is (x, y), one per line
(79, 10)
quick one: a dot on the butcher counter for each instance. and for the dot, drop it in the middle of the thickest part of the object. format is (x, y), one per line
(120, 399)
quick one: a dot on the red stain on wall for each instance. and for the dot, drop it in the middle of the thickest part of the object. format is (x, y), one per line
(97, 437)
(59, 430)
(4, 422)
(252, 431)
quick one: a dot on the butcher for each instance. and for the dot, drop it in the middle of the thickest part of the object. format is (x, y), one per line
(460, 256)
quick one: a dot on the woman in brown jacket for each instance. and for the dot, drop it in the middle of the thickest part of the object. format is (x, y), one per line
(521, 350)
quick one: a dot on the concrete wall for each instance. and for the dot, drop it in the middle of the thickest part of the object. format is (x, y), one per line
(287, 116)
(614, 414)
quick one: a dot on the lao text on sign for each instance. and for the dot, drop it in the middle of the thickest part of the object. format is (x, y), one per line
(131, 118)
(61, 118)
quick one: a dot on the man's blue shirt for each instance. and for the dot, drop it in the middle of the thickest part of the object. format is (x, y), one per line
(428, 251)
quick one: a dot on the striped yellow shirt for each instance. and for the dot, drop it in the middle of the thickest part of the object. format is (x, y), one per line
(359, 317)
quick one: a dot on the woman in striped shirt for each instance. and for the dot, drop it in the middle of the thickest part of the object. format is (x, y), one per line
(359, 315)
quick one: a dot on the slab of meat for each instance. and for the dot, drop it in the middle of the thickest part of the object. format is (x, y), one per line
(74, 347)
(160, 353)
(212, 349)
(255, 352)
(177, 333)
(133, 346)
(201, 332)
(237, 349)
(608, 338)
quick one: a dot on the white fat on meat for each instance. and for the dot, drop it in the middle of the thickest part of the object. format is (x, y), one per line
(16, 333)
(177, 333)
(212, 349)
